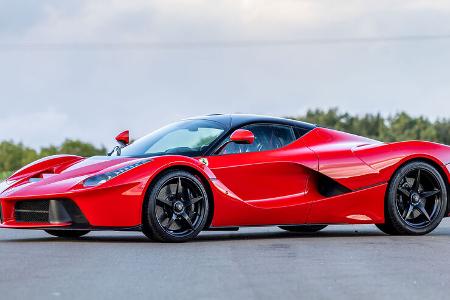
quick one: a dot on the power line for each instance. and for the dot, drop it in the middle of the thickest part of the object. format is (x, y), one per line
(216, 44)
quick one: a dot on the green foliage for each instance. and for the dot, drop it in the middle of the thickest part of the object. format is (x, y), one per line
(14, 156)
(400, 127)
(74, 147)
(4, 175)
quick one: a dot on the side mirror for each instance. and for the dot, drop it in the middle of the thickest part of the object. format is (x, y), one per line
(123, 138)
(242, 136)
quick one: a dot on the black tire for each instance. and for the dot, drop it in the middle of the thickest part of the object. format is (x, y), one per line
(416, 200)
(387, 228)
(303, 228)
(176, 209)
(67, 233)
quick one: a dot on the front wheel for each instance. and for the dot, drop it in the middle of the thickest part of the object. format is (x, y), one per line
(176, 209)
(67, 233)
(416, 200)
(303, 228)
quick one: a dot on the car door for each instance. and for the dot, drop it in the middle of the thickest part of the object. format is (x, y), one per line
(272, 172)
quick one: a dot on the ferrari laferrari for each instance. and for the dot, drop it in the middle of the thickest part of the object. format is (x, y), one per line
(222, 172)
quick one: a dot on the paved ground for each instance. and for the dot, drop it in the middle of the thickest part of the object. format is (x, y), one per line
(342, 262)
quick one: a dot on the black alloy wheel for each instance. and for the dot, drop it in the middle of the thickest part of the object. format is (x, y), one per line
(176, 209)
(416, 200)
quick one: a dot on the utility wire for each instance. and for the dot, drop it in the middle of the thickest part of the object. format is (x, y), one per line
(216, 44)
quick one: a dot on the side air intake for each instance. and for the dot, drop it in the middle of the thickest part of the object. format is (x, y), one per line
(327, 187)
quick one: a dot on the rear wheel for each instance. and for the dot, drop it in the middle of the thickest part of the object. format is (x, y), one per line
(176, 209)
(416, 200)
(303, 228)
(67, 233)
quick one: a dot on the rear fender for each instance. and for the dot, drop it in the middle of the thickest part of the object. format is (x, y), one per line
(387, 158)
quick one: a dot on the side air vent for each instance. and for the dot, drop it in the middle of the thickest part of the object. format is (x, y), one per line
(327, 187)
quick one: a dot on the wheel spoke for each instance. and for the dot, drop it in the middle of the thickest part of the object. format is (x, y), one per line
(424, 212)
(165, 200)
(429, 194)
(404, 191)
(195, 200)
(185, 193)
(163, 216)
(417, 181)
(179, 187)
(171, 221)
(188, 220)
(407, 212)
(168, 190)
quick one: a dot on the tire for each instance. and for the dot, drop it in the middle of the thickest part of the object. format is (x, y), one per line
(416, 200)
(303, 228)
(176, 209)
(67, 233)
(387, 228)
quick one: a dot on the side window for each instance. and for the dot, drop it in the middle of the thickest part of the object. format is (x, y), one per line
(299, 132)
(267, 137)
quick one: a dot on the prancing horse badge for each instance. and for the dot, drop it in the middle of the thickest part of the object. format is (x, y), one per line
(203, 161)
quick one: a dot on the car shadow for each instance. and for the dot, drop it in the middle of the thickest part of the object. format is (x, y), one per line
(213, 237)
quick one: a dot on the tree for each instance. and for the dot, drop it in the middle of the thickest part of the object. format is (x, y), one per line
(400, 127)
(14, 156)
(74, 147)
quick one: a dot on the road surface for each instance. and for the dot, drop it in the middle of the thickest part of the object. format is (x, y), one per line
(342, 262)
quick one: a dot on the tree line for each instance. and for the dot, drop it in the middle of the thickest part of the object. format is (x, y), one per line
(398, 127)
(13, 156)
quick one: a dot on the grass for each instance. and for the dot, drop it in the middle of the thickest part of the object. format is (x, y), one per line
(4, 175)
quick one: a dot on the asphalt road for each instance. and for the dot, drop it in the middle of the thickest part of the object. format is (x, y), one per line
(342, 262)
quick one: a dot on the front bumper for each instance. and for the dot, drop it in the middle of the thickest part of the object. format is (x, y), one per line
(111, 207)
(62, 212)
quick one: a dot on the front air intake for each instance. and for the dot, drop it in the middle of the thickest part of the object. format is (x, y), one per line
(49, 211)
(32, 211)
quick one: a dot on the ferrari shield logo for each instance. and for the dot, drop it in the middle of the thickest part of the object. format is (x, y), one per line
(203, 161)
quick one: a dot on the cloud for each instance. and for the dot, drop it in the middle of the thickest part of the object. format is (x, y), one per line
(92, 94)
(116, 20)
(33, 127)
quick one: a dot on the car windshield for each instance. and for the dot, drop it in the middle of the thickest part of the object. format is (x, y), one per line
(189, 138)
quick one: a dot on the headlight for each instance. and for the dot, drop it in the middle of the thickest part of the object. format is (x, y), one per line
(97, 180)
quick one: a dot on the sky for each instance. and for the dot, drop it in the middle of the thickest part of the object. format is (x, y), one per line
(88, 69)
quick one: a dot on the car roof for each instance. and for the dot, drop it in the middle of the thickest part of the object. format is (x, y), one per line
(239, 120)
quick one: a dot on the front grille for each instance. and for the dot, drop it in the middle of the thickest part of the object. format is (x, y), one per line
(54, 211)
(32, 211)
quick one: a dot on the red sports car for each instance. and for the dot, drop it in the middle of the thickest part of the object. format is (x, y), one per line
(221, 172)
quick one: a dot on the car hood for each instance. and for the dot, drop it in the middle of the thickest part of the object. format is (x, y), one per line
(59, 174)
